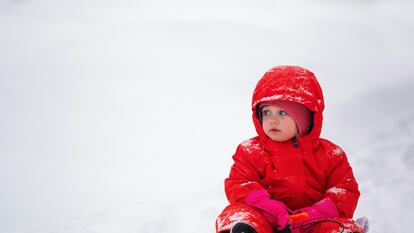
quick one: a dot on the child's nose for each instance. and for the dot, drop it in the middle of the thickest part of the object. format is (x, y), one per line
(275, 120)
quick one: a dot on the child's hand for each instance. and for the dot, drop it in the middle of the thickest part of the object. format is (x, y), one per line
(274, 211)
(322, 210)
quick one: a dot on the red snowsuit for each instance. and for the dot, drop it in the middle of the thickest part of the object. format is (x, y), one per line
(298, 176)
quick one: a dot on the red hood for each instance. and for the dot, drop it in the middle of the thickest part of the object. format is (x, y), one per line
(291, 83)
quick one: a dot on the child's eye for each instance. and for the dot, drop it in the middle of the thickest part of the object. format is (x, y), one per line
(283, 113)
(266, 113)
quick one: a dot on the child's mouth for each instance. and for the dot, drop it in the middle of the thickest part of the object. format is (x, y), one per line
(274, 130)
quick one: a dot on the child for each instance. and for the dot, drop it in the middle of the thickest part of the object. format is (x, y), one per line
(288, 179)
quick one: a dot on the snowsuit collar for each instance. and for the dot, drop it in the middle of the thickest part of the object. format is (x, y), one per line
(290, 83)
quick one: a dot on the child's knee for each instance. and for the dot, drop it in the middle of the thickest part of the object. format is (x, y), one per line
(344, 225)
(240, 212)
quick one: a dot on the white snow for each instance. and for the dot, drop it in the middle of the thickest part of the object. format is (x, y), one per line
(250, 145)
(338, 151)
(336, 190)
(246, 183)
(122, 116)
(301, 89)
(234, 218)
(268, 98)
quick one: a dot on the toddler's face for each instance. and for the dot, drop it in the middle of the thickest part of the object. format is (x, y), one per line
(277, 124)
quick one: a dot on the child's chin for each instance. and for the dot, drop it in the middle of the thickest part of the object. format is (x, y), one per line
(277, 139)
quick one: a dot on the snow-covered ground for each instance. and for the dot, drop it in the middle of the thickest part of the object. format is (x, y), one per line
(123, 116)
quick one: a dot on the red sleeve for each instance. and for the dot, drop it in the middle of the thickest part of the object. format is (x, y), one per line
(341, 183)
(244, 176)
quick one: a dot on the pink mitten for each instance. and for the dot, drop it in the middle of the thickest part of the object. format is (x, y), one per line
(322, 210)
(274, 211)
